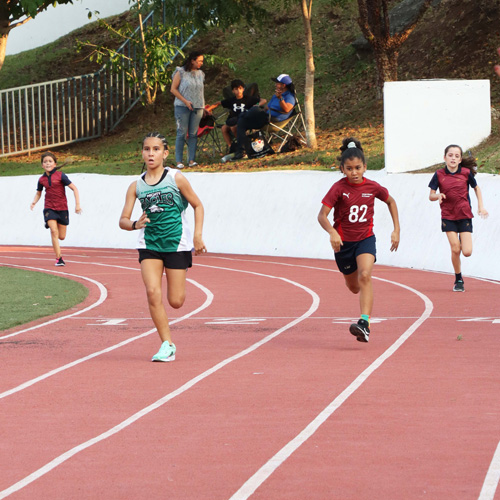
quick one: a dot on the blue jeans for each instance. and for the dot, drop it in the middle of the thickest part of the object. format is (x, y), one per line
(187, 125)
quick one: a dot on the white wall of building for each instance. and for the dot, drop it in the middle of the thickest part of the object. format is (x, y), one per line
(265, 213)
(422, 117)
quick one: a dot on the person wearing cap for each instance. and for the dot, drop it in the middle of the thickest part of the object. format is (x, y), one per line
(237, 104)
(278, 109)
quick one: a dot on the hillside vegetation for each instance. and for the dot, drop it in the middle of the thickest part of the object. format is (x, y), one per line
(458, 39)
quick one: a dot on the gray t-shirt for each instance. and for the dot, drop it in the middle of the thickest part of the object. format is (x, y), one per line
(191, 87)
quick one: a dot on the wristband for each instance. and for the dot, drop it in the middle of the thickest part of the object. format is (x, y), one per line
(133, 225)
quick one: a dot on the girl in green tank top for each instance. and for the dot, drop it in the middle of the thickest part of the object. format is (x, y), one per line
(165, 241)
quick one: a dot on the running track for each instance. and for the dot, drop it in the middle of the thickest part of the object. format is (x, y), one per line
(270, 397)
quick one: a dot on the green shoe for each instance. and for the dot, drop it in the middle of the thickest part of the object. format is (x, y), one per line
(166, 353)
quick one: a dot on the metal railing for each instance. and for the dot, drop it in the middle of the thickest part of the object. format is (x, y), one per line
(80, 108)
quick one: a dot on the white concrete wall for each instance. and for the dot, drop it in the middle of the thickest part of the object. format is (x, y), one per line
(265, 213)
(422, 117)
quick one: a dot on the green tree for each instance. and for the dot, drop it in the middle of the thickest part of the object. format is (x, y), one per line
(147, 64)
(223, 13)
(14, 13)
(153, 48)
(202, 14)
(375, 26)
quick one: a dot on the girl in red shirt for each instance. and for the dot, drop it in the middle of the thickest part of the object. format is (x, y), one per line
(351, 235)
(453, 183)
(55, 212)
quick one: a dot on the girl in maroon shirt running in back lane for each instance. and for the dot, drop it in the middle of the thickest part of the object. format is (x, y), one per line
(453, 183)
(55, 212)
(351, 236)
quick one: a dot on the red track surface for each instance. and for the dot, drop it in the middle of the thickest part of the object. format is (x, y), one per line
(269, 396)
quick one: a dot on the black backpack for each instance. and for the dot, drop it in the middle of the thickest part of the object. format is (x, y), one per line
(256, 145)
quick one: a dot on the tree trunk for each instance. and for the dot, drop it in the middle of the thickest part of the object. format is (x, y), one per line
(375, 26)
(3, 47)
(309, 87)
(150, 98)
(387, 68)
(4, 33)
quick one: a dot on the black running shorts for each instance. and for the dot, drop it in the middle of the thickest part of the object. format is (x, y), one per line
(60, 216)
(171, 260)
(456, 226)
(346, 257)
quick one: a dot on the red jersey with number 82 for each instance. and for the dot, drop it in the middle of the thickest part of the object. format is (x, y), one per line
(353, 207)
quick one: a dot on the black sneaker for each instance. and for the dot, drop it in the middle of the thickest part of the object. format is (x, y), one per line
(60, 262)
(459, 286)
(360, 330)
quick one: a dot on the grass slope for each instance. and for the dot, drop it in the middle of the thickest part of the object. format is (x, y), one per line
(455, 40)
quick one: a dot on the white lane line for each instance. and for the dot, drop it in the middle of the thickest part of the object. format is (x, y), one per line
(103, 296)
(289, 264)
(188, 385)
(29, 383)
(492, 478)
(255, 481)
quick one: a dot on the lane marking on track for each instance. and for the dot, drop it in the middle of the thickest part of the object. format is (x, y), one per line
(492, 478)
(102, 297)
(255, 481)
(494, 321)
(235, 321)
(259, 318)
(109, 322)
(157, 404)
(29, 383)
(235, 259)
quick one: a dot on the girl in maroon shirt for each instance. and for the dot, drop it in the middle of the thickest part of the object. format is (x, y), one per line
(453, 183)
(55, 212)
(351, 235)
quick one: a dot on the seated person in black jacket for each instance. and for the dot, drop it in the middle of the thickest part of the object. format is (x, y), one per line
(236, 105)
(280, 108)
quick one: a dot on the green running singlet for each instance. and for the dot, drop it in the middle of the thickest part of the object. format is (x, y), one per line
(166, 208)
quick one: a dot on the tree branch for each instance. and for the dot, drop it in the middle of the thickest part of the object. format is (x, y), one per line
(20, 23)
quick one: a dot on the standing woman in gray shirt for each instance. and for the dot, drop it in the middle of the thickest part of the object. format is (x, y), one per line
(189, 103)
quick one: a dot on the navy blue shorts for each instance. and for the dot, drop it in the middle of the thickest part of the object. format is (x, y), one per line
(346, 258)
(171, 260)
(456, 226)
(60, 216)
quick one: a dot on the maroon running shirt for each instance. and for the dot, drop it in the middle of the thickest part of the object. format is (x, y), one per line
(455, 186)
(55, 194)
(353, 206)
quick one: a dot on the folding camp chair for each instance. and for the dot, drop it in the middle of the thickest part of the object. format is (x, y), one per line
(280, 132)
(209, 138)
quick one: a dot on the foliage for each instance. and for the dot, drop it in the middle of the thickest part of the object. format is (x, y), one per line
(203, 14)
(152, 50)
(344, 83)
(14, 13)
(20, 8)
(147, 63)
(375, 25)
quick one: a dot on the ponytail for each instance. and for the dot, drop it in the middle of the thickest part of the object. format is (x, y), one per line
(470, 163)
(351, 148)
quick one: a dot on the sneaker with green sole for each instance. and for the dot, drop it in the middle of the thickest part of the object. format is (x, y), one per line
(166, 353)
